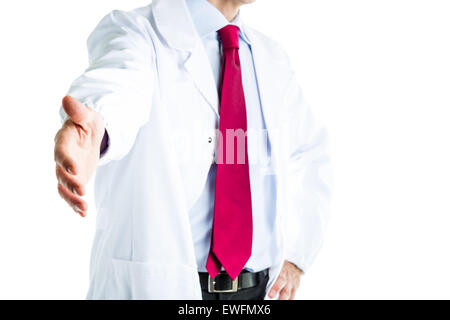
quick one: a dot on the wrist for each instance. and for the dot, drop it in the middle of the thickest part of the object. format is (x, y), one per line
(296, 267)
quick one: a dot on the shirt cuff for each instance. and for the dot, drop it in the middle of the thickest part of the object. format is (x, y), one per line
(105, 144)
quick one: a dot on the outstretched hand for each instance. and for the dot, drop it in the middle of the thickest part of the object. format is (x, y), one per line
(77, 150)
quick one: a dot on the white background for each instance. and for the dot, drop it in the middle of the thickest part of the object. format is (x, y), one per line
(376, 72)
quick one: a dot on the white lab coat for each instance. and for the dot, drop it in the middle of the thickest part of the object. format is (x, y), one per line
(150, 79)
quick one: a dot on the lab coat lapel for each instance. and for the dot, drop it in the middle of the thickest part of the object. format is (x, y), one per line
(197, 64)
(173, 21)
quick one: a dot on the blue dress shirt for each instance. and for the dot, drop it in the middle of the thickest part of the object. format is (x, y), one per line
(207, 20)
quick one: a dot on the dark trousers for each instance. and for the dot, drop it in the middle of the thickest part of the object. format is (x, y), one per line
(255, 293)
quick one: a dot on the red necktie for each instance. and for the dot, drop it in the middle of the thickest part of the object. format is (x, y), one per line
(231, 239)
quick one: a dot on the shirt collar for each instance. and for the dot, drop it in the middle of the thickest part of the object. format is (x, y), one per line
(208, 19)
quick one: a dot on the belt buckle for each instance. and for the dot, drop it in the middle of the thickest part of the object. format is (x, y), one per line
(212, 286)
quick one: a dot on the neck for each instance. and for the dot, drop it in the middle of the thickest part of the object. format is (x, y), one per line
(229, 8)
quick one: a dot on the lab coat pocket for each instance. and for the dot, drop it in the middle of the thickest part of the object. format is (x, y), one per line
(146, 280)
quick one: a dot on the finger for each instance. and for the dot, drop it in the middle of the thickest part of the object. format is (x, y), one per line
(297, 284)
(69, 181)
(77, 204)
(278, 285)
(64, 160)
(285, 293)
(76, 111)
(293, 292)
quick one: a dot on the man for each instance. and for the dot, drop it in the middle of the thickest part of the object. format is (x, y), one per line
(211, 173)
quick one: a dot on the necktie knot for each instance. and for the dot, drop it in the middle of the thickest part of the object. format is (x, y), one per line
(229, 35)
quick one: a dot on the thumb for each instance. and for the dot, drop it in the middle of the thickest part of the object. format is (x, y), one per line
(76, 111)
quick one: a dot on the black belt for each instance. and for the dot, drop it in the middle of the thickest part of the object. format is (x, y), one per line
(223, 283)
